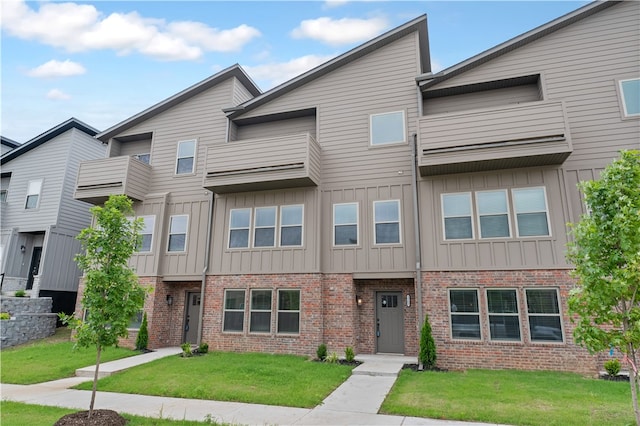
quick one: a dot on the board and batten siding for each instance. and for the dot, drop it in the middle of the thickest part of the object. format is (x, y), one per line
(58, 270)
(304, 259)
(493, 253)
(147, 263)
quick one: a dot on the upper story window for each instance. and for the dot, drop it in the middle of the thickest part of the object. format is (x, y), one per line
(630, 97)
(386, 216)
(456, 213)
(493, 214)
(33, 194)
(388, 128)
(291, 225)
(239, 224)
(145, 158)
(146, 234)
(345, 224)
(178, 233)
(3, 195)
(265, 227)
(532, 216)
(543, 312)
(185, 161)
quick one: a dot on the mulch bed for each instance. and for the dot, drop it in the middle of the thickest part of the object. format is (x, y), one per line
(98, 418)
(618, 378)
(414, 367)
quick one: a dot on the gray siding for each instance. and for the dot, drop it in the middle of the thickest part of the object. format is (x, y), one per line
(147, 264)
(277, 128)
(240, 93)
(135, 147)
(58, 270)
(486, 99)
(97, 179)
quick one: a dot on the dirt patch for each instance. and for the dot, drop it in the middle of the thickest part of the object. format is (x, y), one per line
(98, 418)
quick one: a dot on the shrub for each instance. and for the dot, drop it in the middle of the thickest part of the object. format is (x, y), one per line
(5, 316)
(322, 352)
(332, 358)
(20, 293)
(203, 348)
(142, 341)
(349, 355)
(427, 355)
(186, 350)
(612, 366)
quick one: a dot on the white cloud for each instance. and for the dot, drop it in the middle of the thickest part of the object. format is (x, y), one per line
(270, 75)
(78, 28)
(58, 95)
(436, 66)
(55, 68)
(334, 3)
(340, 31)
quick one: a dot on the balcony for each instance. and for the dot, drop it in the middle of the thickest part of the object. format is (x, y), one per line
(123, 175)
(523, 135)
(265, 163)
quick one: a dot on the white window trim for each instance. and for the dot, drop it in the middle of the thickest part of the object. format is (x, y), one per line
(251, 311)
(404, 129)
(375, 237)
(195, 152)
(623, 104)
(39, 194)
(559, 315)
(471, 214)
(153, 231)
(478, 215)
(357, 223)
(250, 233)
(278, 310)
(186, 234)
(243, 310)
(281, 226)
(517, 314)
(256, 227)
(478, 314)
(546, 205)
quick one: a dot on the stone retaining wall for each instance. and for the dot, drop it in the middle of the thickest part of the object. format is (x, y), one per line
(31, 319)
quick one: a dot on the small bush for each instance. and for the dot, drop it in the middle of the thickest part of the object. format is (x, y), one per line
(427, 355)
(349, 355)
(5, 316)
(612, 366)
(142, 341)
(20, 293)
(322, 352)
(203, 348)
(332, 358)
(186, 350)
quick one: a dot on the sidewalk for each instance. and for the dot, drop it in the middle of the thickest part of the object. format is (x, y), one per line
(355, 402)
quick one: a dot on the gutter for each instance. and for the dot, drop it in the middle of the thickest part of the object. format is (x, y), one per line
(204, 270)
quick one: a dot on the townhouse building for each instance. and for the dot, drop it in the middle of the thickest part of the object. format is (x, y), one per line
(344, 205)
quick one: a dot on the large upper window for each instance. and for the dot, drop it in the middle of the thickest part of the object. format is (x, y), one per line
(185, 161)
(504, 322)
(544, 315)
(456, 212)
(493, 214)
(388, 128)
(465, 315)
(345, 224)
(386, 216)
(146, 233)
(265, 227)
(630, 94)
(260, 321)
(288, 311)
(291, 225)
(239, 224)
(33, 194)
(178, 233)
(233, 310)
(532, 217)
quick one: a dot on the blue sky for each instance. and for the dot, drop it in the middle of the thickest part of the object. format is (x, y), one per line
(103, 61)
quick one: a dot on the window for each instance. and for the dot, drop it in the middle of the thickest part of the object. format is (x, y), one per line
(386, 216)
(504, 322)
(544, 315)
(530, 206)
(239, 222)
(456, 213)
(291, 225)
(265, 227)
(185, 160)
(260, 321)
(465, 316)
(178, 233)
(387, 128)
(3, 196)
(233, 310)
(146, 233)
(289, 311)
(145, 158)
(630, 94)
(493, 214)
(33, 194)
(345, 224)
(136, 320)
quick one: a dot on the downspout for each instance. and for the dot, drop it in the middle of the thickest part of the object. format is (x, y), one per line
(206, 266)
(416, 225)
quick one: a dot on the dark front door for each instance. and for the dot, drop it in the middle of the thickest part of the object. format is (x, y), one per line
(34, 268)
(389, 322)
(192, 318)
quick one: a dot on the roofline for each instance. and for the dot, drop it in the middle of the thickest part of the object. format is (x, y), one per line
(232, 71)
(427, 80)
(47, 136)
(9, 142)
(418, 24)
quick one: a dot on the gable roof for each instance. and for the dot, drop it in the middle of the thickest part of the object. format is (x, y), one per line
(416, 25)
(9, 142)
(427, 80)
(47, 136)
(232, 71)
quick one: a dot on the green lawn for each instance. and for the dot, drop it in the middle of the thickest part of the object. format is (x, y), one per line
(286, 380)
(18, 414)
(511, 397)
(51, 359)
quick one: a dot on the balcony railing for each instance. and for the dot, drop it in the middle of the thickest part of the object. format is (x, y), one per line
(124, 175)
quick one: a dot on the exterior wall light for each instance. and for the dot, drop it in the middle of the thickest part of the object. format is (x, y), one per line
(22, 249)
(358, 300)
(169, 299)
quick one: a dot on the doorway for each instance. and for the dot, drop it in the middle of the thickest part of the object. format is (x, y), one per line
(192, 318)
(34, 267)
(389, 323)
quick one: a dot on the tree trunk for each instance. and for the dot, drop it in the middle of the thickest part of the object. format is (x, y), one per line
(95, 380)
(633, 380)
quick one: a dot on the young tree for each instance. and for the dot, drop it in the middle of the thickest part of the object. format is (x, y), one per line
(427, 355)
(142, 340)
(606, 253)
(112, 295)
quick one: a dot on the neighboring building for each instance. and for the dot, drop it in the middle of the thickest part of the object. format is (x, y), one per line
(7, 144)
(304, 215)
(40, 217)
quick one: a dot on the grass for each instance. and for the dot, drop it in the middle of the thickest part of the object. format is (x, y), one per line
(258, 378)
(51, 359)
(17, 413)
(511, 397)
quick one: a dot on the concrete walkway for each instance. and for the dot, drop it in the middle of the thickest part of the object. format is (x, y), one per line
(355, 402)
